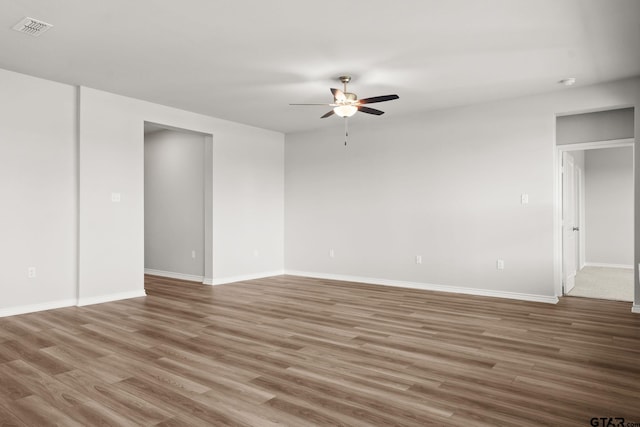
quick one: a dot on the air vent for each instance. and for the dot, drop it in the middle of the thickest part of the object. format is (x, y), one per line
(32, 26)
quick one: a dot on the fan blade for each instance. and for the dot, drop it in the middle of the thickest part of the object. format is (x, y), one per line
(329, 114)
(370, 110)
(378, 99)
(338, 95)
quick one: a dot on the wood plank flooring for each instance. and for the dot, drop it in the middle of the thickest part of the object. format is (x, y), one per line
(297, 351)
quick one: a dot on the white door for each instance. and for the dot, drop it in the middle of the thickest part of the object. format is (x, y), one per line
(569, 222)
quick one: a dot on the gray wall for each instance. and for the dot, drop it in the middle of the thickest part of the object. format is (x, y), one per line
(596, 126)
(609, 206)
(445, 185)
(174, 178)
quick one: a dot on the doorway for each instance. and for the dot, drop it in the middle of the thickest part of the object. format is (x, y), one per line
(177, 203)
(597, 219)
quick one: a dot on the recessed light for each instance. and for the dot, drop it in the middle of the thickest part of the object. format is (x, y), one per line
(569, 81)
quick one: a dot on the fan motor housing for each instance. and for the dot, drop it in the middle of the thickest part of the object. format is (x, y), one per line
(350, 96)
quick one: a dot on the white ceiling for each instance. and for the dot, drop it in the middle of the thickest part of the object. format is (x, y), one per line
(246, 60)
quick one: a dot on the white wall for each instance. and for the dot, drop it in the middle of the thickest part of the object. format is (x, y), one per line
(63, 152)
(38, 193)
(248, 204)
(445, 185)
(441, 185)
(609, 206)
(248, 198)
(174, 176)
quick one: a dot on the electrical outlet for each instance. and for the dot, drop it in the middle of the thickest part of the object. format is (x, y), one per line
(500, 264)
(332, 254)
(31, 273)
(418, 259)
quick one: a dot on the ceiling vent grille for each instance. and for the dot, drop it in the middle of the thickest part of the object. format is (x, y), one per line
(32, 26)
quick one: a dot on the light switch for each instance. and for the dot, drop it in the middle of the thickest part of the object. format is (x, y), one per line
(524, 198)
(115, 197)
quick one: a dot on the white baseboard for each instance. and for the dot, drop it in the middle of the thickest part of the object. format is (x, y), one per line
(232, 279)
(212, 281)
(31, 308)
(111, 297)
(172, 275)
(606, 265)
(429, 287)
(635, 308)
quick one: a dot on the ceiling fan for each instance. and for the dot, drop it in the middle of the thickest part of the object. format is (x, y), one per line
(346, 104)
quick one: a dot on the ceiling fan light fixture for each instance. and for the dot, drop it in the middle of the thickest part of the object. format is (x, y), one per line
(345, 110)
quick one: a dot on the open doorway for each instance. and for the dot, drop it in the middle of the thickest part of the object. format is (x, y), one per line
(597, 211)
(596, 203)
(177, 203)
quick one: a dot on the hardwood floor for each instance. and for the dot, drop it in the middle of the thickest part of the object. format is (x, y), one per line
(296, 351)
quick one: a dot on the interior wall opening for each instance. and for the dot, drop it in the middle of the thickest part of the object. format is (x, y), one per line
(177, 203)
(595, 153)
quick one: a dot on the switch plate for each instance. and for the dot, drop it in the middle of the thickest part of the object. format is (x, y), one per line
(500, 264)
(193, 254)
(418, 259)
(332, 254)
(256, 253)
(115, 197)
(524, 198)
(31, 273)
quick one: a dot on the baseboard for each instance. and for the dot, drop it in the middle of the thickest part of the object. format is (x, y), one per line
(110, 297)
(210, 281)
(428, 287)
(32, 308)
(172, 275)
(232, 279)
(606, 265)
(635, 308)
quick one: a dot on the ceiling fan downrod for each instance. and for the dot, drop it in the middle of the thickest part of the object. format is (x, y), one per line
(345, 80)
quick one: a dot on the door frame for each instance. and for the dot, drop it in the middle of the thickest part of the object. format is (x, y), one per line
(557, 197)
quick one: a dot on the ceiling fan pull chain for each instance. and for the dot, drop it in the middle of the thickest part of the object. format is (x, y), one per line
(346, 130)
